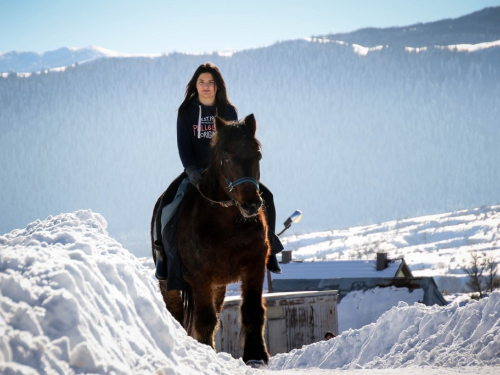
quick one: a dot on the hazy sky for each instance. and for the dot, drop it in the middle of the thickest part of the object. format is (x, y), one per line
(158, 26)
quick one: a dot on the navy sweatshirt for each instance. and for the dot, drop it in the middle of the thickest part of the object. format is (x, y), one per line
(195, 129)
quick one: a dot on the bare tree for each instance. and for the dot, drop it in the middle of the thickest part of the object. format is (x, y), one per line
(491, 270)
(475, 270)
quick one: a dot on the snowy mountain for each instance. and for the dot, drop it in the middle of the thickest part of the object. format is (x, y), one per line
(74, 301)
(474, 28)
(351, 135)
(23, 62)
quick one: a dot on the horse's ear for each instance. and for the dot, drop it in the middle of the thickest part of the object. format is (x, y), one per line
(219, 122)
(251, 124)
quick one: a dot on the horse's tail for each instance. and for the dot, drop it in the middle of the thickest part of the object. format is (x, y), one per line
(187, 301)
(153, 228)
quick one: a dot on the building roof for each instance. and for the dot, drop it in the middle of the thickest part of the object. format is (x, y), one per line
(338, 269)
(236, 299)
(332, 270)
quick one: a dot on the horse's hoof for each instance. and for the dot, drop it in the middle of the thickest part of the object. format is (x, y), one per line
(254, 363)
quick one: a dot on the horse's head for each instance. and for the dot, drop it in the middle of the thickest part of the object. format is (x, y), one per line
(236, 154)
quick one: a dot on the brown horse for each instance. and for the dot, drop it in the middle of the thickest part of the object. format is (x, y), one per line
(222, 239)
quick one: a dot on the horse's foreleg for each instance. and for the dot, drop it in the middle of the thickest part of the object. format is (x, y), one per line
(253, 317)
(219, 294)
(205, 316)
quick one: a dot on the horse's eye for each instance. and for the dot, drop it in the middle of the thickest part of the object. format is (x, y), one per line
(226, 158)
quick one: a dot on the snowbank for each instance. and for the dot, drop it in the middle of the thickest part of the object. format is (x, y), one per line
(360, 308)
(72, 300)
(417, 335)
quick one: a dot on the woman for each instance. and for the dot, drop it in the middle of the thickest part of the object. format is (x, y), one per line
(205, 98)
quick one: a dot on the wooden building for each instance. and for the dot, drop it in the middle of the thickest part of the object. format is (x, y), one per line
(293, 320)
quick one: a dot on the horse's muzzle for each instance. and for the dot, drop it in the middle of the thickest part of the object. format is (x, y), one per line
(250, 209)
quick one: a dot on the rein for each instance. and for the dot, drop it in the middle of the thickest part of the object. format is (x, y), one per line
(229, 203)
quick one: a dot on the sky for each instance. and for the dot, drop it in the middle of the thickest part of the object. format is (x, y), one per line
(164, 26)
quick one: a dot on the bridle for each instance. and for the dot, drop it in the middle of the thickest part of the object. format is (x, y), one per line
(230, 187)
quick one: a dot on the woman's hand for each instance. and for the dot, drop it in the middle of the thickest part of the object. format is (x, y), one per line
(194, 175)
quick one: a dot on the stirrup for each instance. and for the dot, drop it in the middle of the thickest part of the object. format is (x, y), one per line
(273, 265)
(158, 246)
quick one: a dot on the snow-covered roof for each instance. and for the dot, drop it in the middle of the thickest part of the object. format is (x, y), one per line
(335, 269)
(278, 296)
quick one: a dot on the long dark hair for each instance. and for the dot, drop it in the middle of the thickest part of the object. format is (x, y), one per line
(221, 99)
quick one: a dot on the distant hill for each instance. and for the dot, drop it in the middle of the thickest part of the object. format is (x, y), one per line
(477, 27)
(23, 62)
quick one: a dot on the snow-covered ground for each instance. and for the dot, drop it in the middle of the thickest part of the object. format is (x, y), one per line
(73, 300)
(432, 245)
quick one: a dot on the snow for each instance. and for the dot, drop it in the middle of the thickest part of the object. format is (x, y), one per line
(28, 62)
(358, 49)
(360, 308)
(73, 300)
(432, 245)
(458, 47)
(363, 51)
(417, 335)
(343, 268)
(471, 47)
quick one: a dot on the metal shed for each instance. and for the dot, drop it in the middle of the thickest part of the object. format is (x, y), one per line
(293, 320)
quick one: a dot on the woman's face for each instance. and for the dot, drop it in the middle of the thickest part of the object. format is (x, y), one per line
(205, 85)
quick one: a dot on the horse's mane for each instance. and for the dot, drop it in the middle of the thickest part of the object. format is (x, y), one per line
(224, 136)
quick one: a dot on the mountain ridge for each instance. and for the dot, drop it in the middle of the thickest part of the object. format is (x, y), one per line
(28, 62)
(473, 28)
(478, 27)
